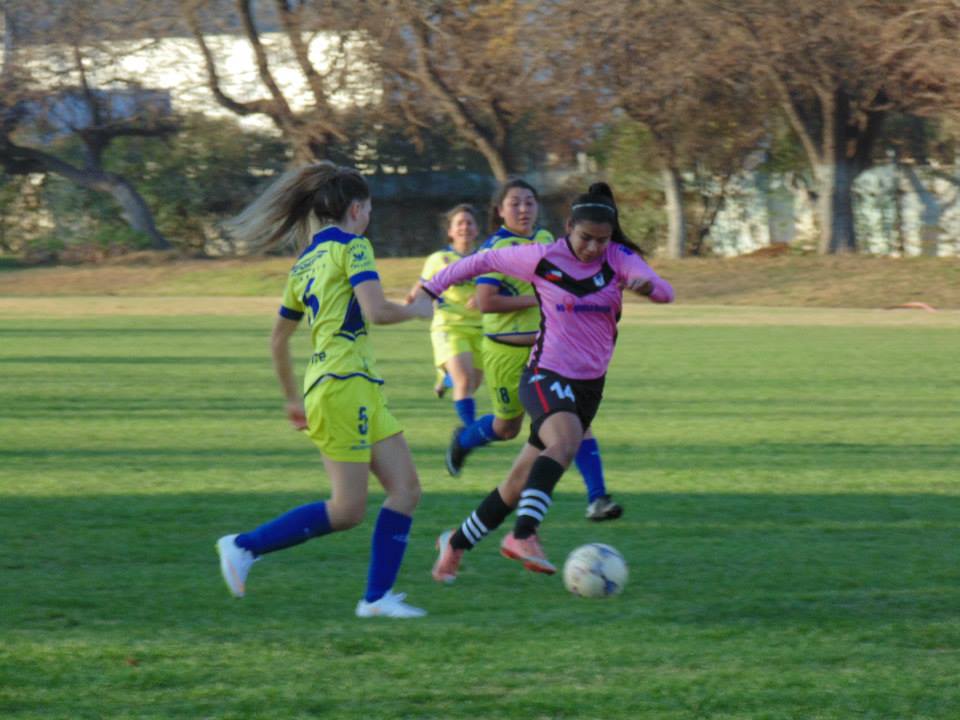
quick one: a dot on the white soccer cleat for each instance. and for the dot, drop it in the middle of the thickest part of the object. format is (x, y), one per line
(235, 563)
(603, 508)
(390, 605)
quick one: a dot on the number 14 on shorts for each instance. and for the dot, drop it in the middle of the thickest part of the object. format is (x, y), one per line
(562, 391)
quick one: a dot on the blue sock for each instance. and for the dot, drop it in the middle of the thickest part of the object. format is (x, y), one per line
(467, 410)
(290, 529)
(478, 433)
(389, 543)
(447, 380)
(590, 466)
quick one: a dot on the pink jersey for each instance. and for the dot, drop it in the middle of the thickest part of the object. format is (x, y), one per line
(579, 302)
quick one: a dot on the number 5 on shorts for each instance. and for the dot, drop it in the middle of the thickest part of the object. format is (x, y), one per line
(363, 423)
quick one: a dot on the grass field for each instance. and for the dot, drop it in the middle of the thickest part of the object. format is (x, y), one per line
(837, 281)
(792, 527)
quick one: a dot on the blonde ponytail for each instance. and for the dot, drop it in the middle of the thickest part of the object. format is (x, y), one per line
(296, 205)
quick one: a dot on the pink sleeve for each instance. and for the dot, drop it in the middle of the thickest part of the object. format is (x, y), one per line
(519, 261)
(629, 265)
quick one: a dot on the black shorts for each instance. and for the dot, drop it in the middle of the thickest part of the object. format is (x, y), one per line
(544, 392)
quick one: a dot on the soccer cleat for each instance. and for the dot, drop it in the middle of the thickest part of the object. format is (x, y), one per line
(390, 605)
(235, 563)
(448, 561)
(603, 508)
(456, 453)
(527, 551)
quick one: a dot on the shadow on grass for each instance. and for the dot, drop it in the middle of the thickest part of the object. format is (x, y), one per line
(702, 559)
(706, 458)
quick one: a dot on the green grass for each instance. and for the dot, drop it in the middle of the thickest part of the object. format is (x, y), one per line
(792, 527)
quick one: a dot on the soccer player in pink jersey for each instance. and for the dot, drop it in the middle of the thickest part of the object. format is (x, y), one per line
(579, 280)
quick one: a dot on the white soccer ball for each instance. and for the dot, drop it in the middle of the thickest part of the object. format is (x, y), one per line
(595, 570)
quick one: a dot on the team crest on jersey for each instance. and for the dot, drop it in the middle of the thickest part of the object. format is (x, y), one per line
(599, 280)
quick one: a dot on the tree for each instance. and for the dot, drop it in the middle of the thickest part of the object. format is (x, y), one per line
(645, 59)
(836, 73)
(473, 63)
(49, 93)
(319, 42)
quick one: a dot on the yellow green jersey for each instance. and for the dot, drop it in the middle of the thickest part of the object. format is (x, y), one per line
(451, 311)
(320, 286)
(518, 322)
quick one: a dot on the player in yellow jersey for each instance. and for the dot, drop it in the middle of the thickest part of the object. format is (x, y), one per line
(511, 321)
(457, 327)
(334, 285)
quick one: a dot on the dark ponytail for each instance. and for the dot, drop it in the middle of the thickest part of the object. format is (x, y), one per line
(598, 205)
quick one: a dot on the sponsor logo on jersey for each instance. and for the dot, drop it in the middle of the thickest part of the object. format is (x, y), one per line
(536, 378)
(570, 305)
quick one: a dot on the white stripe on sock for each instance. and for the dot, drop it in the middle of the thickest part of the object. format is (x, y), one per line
(530, 512)
(476, 521)
(468, 532)
(534, 503)
(534, 493)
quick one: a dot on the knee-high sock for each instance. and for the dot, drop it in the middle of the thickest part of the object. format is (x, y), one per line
(488, 516)
(466, 410)
(591, 467)
(478, 434)
(292, 528)
(537, 496)
(387, 547)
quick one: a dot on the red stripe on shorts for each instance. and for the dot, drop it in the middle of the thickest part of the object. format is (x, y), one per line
(543, 399)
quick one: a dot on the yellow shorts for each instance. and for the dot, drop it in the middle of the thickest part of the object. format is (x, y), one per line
(503, 365)
(448, 343)
(346, 418)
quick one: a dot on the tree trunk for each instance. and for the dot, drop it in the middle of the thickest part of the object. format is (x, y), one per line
(676, 224)
(497, 163)
(135, 210)
(835, 207)
(19, 160)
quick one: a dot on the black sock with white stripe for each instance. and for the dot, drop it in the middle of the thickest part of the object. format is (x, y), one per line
(488, 516)
(537, 495)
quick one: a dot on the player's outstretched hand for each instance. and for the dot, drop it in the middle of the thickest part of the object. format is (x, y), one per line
(639, 285)
(297, 415)
(422, 305)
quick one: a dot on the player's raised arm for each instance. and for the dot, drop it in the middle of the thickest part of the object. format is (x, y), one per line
(519, 261)
(638, 277)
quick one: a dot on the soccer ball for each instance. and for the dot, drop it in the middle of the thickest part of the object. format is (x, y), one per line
(595, 570)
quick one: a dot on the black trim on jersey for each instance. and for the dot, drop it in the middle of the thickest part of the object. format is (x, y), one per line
(537, 347)
(580, 288)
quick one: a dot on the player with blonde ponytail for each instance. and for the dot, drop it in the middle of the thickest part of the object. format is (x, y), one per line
(323, 210)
